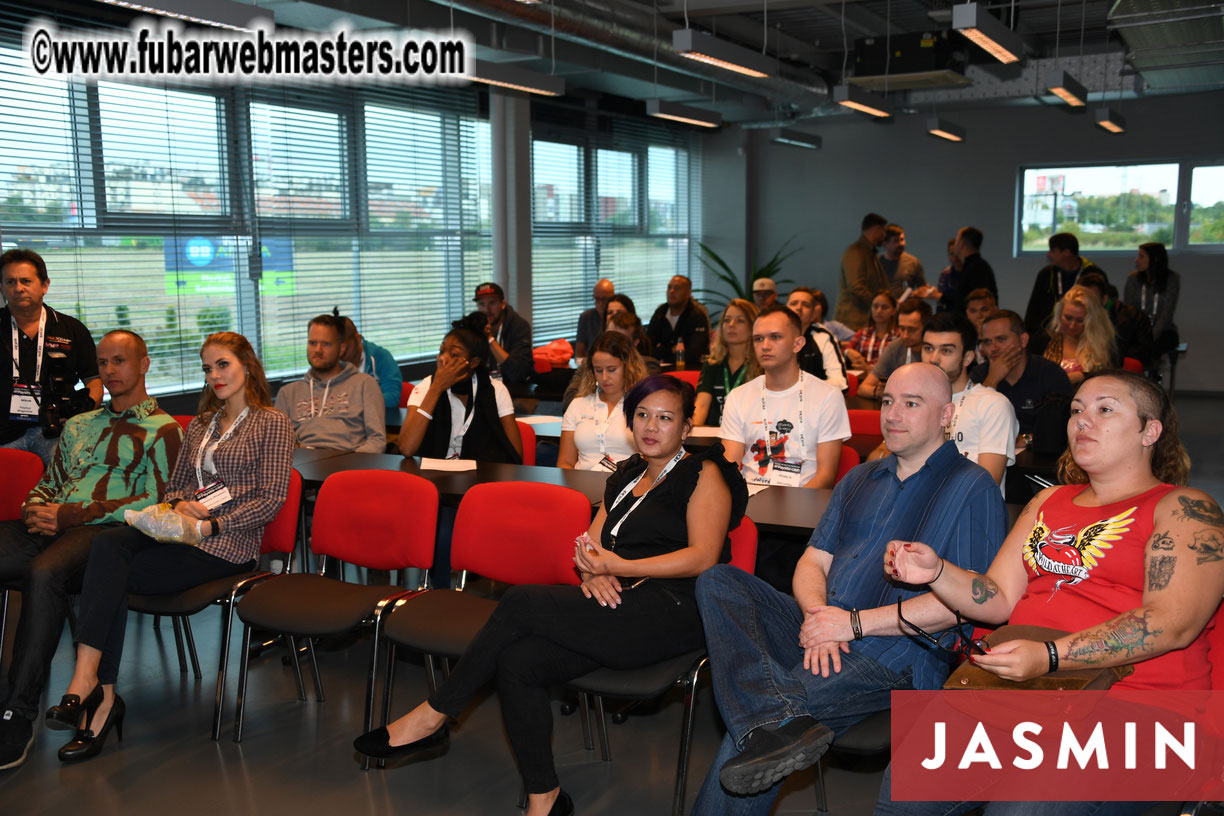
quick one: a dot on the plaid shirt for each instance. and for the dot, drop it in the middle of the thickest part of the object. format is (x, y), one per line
(254, 464)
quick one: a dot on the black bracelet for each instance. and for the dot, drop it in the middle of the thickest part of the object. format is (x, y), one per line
(855, 625)
(1053, 652)
(936, 578)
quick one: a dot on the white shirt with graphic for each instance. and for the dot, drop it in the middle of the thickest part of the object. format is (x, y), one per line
(984, 422)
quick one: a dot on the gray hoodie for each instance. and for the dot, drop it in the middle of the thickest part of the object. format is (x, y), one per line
(343, 413)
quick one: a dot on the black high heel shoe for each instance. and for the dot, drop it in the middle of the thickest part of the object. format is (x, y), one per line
(67, 715)
(87, 744)
(377, 744)
(563, 805)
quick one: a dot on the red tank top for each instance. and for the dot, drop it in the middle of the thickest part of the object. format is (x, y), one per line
(1086, 566)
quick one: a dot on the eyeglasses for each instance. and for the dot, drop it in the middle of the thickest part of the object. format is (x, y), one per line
(950, 640)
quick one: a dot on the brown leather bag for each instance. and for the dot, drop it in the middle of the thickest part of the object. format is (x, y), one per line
(969, 676)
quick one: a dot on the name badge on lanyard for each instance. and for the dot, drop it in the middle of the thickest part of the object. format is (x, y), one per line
(781, 470)
(457, 434)
(23, 405)
(214, 493)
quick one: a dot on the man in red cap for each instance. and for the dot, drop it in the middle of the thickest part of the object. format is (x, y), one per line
(509, 335)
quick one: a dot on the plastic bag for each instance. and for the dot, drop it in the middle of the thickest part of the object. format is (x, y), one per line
(161, 523)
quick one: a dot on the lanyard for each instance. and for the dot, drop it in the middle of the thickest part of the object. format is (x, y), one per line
(206, 449)
(1058, 276)
(601, 432)
(1142, 302)
(467, 420)
(765, 425)
(42, 331)
(629, 489)
(730, 384)
(951, 434)
(323, 404)
(373, 372)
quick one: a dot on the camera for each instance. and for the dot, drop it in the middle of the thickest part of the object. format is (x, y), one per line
(60, 402)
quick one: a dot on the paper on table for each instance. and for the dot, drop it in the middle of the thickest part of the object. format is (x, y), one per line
(754, 489)
(538, 419)
(705, 430)
(447, 464)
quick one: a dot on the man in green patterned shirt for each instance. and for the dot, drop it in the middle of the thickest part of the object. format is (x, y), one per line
(115, 458)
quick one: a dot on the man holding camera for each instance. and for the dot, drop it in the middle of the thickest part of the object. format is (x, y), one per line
(118, 457)
(48, 353)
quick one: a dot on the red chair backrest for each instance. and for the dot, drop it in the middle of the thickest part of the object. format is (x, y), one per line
(405, 391)
(852, 382)
(21, 470)
(689, 377)
(744, 545)
(529, 442)
(281, 533)
(864, 422)
(849, 458)
(381, 519)
(540, 365)
(520, 532)
(183, 420)
(1131, 364)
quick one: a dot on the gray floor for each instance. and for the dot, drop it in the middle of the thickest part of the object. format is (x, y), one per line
(298, 756)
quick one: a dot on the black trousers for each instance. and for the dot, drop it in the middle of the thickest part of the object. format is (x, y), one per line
(541, 636)
(126, 560)
(49, 569)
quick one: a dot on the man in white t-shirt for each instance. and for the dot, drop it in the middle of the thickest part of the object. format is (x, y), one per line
(984, 426)
(785, 427)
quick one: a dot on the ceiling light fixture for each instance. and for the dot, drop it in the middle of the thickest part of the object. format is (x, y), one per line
(516, 79)
(855, 98)
(1109, 119)
(1066, 88)
(794, 138)
(945, 129)
(217, 13)
(987, 32)
(697, 45)
(676, 112)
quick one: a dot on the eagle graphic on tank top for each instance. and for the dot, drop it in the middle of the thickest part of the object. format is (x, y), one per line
(1070, 553)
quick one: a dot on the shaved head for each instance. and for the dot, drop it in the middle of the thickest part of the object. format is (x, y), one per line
(139, 348)
(916, 409)
(925, 379)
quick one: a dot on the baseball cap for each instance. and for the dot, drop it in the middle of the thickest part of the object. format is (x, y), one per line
(486, 289)
(764, 285)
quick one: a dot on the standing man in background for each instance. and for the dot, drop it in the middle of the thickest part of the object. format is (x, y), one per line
(862, 274)
(904, 271)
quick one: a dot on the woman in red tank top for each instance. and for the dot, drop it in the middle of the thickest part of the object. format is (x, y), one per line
(1123, 555)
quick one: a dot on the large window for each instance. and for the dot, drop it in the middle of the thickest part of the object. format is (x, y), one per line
(1207, 205)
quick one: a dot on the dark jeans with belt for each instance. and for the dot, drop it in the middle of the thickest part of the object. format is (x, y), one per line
(126, 560)
(540, 636)
(48, 569)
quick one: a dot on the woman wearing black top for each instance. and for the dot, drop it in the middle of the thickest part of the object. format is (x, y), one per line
(668, 521)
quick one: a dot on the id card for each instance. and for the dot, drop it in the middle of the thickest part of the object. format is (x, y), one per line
(23, 407)
(214, 495)
(607, 464)
(785, 472)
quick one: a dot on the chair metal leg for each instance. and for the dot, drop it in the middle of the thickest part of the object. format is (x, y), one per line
(431, 677)
(686, 734)
(602, 721)
(314, 669)
(189, 636)
(584, 705)
(822, 803)
(4, 595)
(157, 622)
(522, 800)
(297, 667)
(388, 684)
(227, 621)
(178, 643)
(240, 705)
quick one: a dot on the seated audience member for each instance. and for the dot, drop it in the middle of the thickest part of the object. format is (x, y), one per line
(836, 328)
(861, 275)
(628, 324)
(1153, 289)
(507, 335)
(334, 406)
(229, 482)
(672, 528)
(594, 433)
(592, 321)
(790, 673)
(903, 270)
(1147, 601)
(115, 458)
(370, 358)
(476, 420)
(1066, 269)
(785, 427)
(912, 315)
(978, 304)
(1023, 377)
(1132, 329)
(863, 349)
(821, 355)
(1081, 336)
(680, 328)
(764, 293)
(50, 346)
(984, 425)
(730, 363)
(974, 272)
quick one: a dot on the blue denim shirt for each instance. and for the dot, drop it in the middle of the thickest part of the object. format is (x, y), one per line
(950, 504)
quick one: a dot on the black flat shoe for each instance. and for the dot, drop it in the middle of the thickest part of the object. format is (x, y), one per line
(377, 744)
(87, 744)
(67, 715)
(563, 806)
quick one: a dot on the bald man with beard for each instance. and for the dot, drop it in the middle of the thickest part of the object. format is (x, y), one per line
(791, 673)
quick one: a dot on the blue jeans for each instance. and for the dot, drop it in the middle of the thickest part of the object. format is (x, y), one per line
(34, 442)
(752, 634)
(886, 807)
